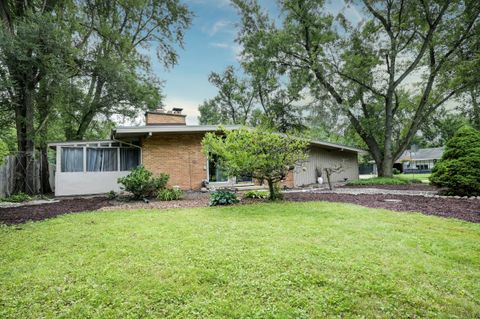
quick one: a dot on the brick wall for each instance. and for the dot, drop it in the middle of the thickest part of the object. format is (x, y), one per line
(179, 155)
(158, 118)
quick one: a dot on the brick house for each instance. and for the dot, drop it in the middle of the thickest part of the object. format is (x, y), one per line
(165, 144)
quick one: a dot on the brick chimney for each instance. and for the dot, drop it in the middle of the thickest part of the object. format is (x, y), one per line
(164, 117)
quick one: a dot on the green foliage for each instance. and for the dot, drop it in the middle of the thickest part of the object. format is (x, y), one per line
(3, 151)
(264, 155)
(141, 182)
(223, 197)
(17, 198)
(256, 194)
(383, 181)
(338, 62)
(459, 168)
(275, 260)
(169, 194)
(112, 195)
(396, 171)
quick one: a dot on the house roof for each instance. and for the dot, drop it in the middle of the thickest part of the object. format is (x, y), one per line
(422, 154)
(135, 131)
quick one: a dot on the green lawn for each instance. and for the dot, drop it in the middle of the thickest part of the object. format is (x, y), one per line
(400, 179)
(423, 177)
(282, 260)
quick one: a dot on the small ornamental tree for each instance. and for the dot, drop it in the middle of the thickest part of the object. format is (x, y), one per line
(459, 168)
(265, 155)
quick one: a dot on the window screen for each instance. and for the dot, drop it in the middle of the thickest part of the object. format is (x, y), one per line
(129, 158)
(72, 159)
(102, 159)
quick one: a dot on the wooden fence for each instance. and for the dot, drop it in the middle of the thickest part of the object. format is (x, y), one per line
(7, 176)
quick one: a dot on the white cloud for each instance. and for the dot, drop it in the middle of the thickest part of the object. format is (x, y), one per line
(216, 3)
(190, 108)
(221, 45)
(219, 26)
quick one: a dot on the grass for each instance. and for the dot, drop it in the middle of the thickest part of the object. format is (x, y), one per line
(400, 179)
(280, 260)
(422, 177)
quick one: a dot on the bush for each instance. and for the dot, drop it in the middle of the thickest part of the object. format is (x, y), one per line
(112, 195)
(17, 198)
(256, 194)
(223, 198)
(168, 194)
(396, 171)
(459, 168)
(141, 182)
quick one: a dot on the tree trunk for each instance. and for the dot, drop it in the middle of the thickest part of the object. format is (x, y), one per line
(44, 172)
(475, 118)
(385, 169)
(271, 188)
(25, 165)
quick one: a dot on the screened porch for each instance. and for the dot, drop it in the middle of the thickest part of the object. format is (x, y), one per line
(92, 167)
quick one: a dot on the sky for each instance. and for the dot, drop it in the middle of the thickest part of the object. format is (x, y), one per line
(210, 46)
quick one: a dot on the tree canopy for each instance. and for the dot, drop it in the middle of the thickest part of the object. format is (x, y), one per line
(265, 155)
(68, 67)
(387, 75)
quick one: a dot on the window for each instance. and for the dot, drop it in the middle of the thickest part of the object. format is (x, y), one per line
(72, 159)
(215, 173)
(246, 178)
(129, 158)
(102, 159)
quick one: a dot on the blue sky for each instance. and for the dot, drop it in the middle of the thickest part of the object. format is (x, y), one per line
(209, 46)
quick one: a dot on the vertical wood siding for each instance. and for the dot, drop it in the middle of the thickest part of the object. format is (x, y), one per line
(323, 158)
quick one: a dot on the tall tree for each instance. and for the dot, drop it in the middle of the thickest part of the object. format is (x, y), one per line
(33, 43)
(234, 102)
(113, 74)
(387, 75)
(257, 98)
(76, 62)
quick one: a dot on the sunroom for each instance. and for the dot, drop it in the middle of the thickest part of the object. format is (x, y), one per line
(92, 167)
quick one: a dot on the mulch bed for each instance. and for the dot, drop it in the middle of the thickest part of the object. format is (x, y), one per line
(465, 209)
(468, 210)
(406, 187)
(22, 214)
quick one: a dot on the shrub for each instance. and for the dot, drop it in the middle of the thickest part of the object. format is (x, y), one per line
(396, 171)
(112, 195)
(223, 198)
(141, 182)
(256, 194)
(168, 194)
(17, 198)
(459, 168)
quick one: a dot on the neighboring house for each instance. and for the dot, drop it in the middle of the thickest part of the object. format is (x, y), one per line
(167, 145)
(421, 161)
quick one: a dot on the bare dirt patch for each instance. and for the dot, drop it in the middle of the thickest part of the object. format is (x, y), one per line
(22, 214)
